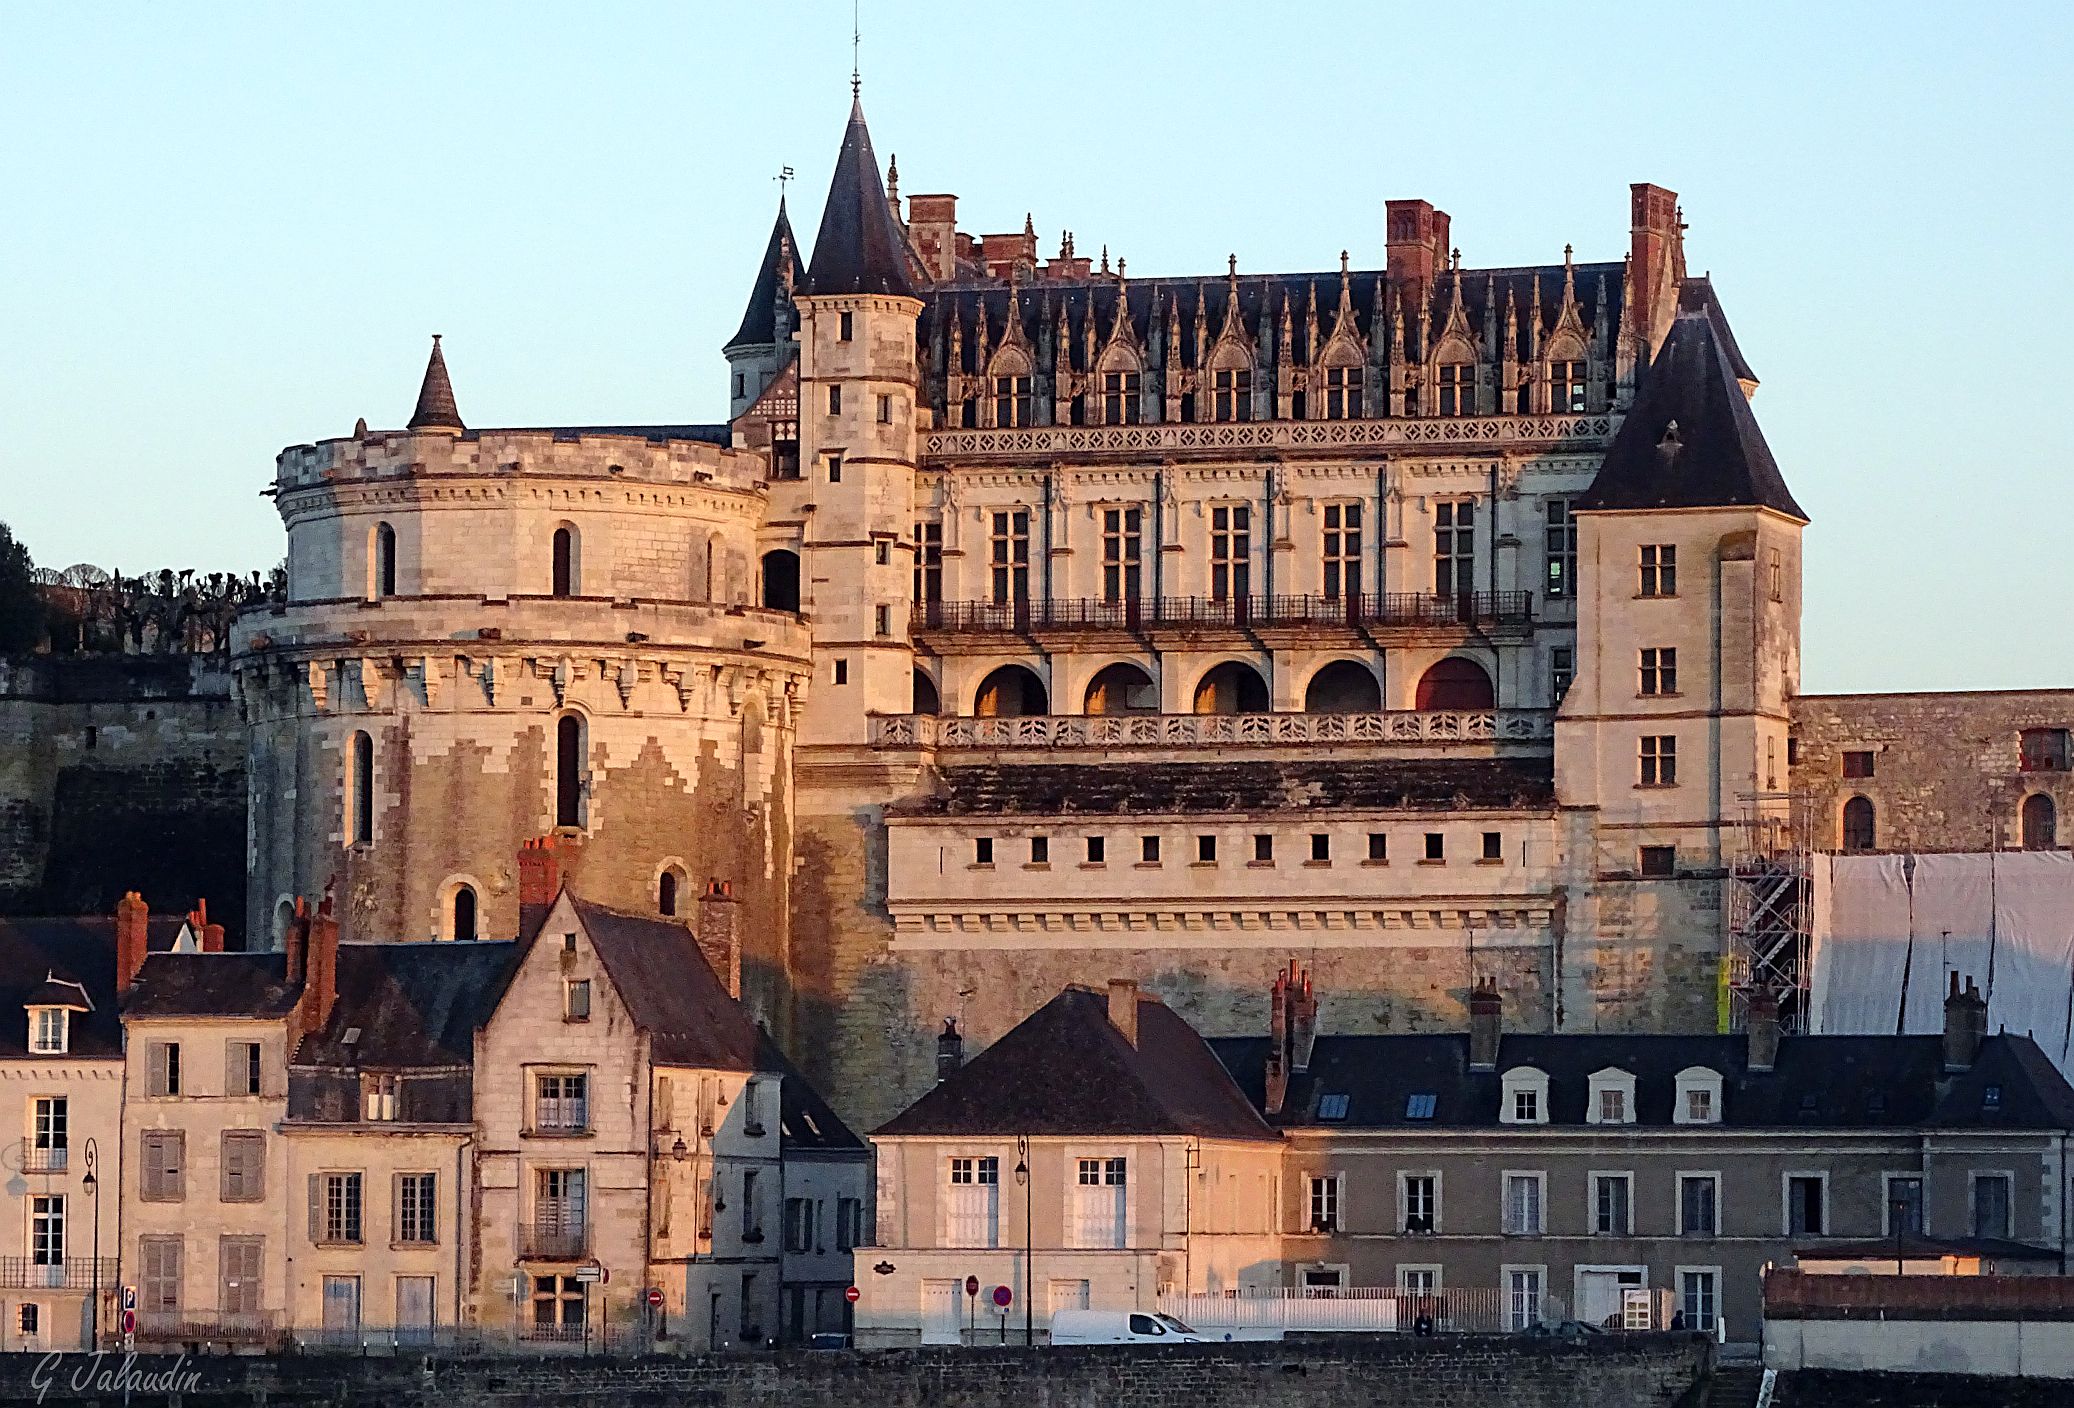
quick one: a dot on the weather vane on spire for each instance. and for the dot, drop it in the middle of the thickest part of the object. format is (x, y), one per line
(856, 32)
(783, 178)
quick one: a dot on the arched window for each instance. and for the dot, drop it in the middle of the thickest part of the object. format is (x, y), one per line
(1343, 687)
(927, 700)
(2041, 823)
(284, 920)
(566, 566)
(669, 891)
(360, 791)
(569, 770)
(1011, 692)
(463, 928)
(1231, 688)
(1122, 689)
(384, 560)
(781, 580)
(1861, 828)
(1455, 683)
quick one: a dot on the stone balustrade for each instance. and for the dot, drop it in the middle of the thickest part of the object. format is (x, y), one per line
(1405, 726)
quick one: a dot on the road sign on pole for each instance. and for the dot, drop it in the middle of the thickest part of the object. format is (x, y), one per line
(1003, 1297)
(129, 1297)
(852, 1295)
(655, 1298)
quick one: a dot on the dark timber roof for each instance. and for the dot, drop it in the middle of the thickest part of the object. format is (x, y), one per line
(859, 249)
(657, 969)
(759, 320)
(1066, 1069)
(1217, 787)
(251, 985)
(436, 409)
(81, 949)
(1691, 440)
(415, 1004)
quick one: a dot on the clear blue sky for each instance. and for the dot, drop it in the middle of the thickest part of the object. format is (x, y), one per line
(230, 227)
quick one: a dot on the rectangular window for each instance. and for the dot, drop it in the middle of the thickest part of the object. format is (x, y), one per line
(1458, 389)
(1493, 845)
(1612, 1203)
(2044, 750)
(835, 469)
(559, 1308)
(561, 1102)
(559, 1210)
(1454, 547)
(1120, 397)
(844, 326)
(1418, 1281)
(1325, 1203)
(1342, 551)
(882, 620)
(47, 1229)
(1659, 570)
(1040, 850)
(1148, 850)
(1523, 1204)
(1378, 847)
(1096, 848)
(835, 400)
(162, 1271)
(1100, 1205)
(338, 1210)
(1991, 1205)
(1012, 400)
(982, 850)
(163, 1177)
(50, 1149)
(1321, 847)
(928, 562)
(1263, 849)
(1231, 393)
(1659, 862)
(974, 1205)
(1231, 551)
(378, 1096)
(243, 1160)
(840, 672)
(881, 552)
(1659, 760)
(885, 410)
(1562, 668)
(784, 449)
(1659, 670)
(1523, 1287)
(1566, 383)
(417, 1208)
(164, 1073)
(799, 1224)
(849, 1224)
(1699, 1202)
(1206, 850)
(1559, 549)
(1778, 575)
(1436, 846)
(1526, 1107)
(1122, 555)
(240, 1262)
(1342, 393)
(50, 1031)
(1421, 1194)
(1699, 1296)
(1858, 763)
(1804, 1200)
(1008, 558)
(241, 1068)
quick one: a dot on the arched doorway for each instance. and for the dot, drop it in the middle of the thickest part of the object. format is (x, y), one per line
(1343, 687)
(781, 580)
(1122, 689)
(927, 700)
(2041, 823)
(1861, 825)
(1010, 692)
(1231, 688)
(1455, 683)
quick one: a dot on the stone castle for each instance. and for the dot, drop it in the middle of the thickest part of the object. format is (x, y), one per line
(1031, 623)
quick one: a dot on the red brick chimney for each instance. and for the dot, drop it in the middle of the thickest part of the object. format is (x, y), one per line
(1486, 1024)
(1652, 248)
(1303, 1018)
(720, 935)
(1416, 237)
(209, 936)
(132, 939)
(296, 943)
(1275, 1088)
(320, 991)
(539, 881)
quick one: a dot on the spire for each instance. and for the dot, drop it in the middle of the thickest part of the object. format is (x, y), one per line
(858, 249)
(436, 409)
(780, 267)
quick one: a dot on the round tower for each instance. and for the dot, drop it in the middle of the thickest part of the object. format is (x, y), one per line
(495, 635)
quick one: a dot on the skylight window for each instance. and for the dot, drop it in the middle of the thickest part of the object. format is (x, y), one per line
(1991, 1099)
(1419, 1107)
(1332, 1107)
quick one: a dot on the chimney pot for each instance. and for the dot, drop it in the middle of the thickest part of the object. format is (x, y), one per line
(132, 939)
(1764, 1032)
(720, 934)
(950, 1050)
(1486, 1023)
(1123, 1007)
(1965, 1024)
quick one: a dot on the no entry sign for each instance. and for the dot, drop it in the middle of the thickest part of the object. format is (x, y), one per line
(852, 1295)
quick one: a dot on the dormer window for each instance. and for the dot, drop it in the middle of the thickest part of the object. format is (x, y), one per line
(1612, 1098)
(1524, 1099)
(50, 1031)
(1698, 1097)
(1458, 389)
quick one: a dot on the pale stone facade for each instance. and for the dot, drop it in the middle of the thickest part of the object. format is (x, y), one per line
(46, 1294)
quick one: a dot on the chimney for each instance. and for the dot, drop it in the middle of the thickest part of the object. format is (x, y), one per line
(1652, 238)
(1486, 1019)
(1303, 1018)
(932, 223)
(720, 935)
(1275, 1087)
(1408, 235)
(950, 1050)
(132, 939)
(540, 880)
(1442, 229)
(296, 942)
(1123, 1007)
(209, 936)
(1965, 1025)
(1764, 1030)
(320, 990)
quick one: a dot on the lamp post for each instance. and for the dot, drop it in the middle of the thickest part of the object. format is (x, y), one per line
(92, 1184)
(1022, 1178)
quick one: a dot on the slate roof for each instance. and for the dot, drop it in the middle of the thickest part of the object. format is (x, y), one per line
(759, 319)
(436, 407)
(416, 1004)
(1141, 789)
(1066, 1069)
(655, 434)
(1823, 1082)
(657, 968)
(1690, 440)
(71, 949)
(806, 1123)
(859, 249)
(213, 985)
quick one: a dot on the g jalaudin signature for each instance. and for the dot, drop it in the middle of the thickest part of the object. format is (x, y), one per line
(101, 1373)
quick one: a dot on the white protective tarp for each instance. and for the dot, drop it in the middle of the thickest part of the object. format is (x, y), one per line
(1887, 930)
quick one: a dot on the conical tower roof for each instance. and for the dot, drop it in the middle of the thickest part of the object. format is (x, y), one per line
(859, 248)
(781, 256)
(436, 409)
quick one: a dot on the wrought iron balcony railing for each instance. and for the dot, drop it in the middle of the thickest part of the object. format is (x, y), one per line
(56, 1160)
(1366, 611)
(208, 1326)
(1408, 726)
(554, 1239)
(76, 1273)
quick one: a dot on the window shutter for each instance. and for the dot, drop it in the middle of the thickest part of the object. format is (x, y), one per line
(233, 1068)
(176, 1164)
(157, 1054)
(316, 1209)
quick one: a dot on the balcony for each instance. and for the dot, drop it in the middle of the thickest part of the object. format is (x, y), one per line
(1370, 611)
(241, 1327)
(46, 1160)
(554, 1238)
(1191, 439)
(1406, 726)
(21, 1273)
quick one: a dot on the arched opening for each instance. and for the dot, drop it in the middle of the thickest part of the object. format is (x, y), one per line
(565, 562)
(569, 770)
(462, 927)
(2041, 823)
(1343, 687)
(284, 920)
(360, 792)
(1231, 688)
(384, 560)
(781, 580)
(1861, 826)
(1455, 683)
(1010, 692)
(1122, 689)
(669, 891)
(927, 700)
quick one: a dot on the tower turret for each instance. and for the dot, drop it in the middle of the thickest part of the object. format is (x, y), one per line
(763, 343)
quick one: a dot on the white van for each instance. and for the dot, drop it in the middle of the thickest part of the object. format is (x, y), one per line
(1119, 1327)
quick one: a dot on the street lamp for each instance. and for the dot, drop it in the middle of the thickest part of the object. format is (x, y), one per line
(1022, 1178)
(92, 1184)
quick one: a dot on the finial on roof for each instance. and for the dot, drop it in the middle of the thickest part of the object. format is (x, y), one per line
(1119, 268)
(1105, 256)
(1232, 264)
(1343, 263)
(893, 177)
(1456, 259)
(436, 409)
(1566, 256)
(1029, 226)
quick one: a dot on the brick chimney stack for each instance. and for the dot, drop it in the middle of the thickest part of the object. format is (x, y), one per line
(1764, 1032)
(1275, 1085)
(295, 944)
(1965, 1025)
(950, 1050)
(321, 988)
(539, 881)
(1303, 1018)
(1652, 294)
(1486, 1024)
(132, 939)
(1123, 1007)
(1413, 232)
(720, 934)
(209, 936)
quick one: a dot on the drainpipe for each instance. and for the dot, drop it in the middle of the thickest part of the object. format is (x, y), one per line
(1267, 547)
(1491, 578)
(460, 1242)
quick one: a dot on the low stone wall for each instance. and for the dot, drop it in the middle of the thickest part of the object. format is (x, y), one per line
(1644, 1371)
(1839, 1388)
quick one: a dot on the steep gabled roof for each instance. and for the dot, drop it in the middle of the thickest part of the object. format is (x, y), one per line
(41, 960)
(414, 1004)
(660, 974)
(759, 320)
(806, 1123)
(859, 249)
(436, 409)
(253, 985)
(1690, 440)
(1066, 1069)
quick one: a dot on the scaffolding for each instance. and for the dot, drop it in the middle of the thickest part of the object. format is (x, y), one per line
(1769, 889)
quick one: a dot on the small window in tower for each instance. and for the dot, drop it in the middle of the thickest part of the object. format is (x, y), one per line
(882, 551)
(1321, 847)
(1263, 849)
(1040, 850)
(982, 850)
(1659, 862)
(1858, 763)
(842, 671)
(835, 469)
(1436, 846)
(1493, 845)
(845, 326)
(882, 619)
(1206, 850)
(885, 410)
(1148, 850)
(1095, 850)
(741, 386)
(1378, 848)
(835, 400)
